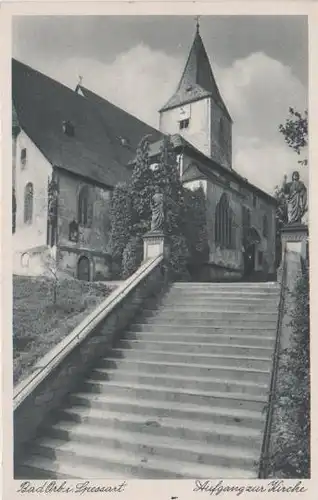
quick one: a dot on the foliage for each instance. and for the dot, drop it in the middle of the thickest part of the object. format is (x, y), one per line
(290, 457)
(178, 258)
(120, 219)
(39, 325)
(51, 271)
(132, 256)
(295, 132)
(185, 219)
(142, 184)
(196, 225)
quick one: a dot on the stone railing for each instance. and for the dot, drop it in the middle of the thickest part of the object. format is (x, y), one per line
(61, 370)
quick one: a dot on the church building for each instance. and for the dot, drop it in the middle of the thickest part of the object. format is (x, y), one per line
(71, 147)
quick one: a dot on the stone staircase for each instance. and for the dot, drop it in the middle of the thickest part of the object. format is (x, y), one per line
(181, 395)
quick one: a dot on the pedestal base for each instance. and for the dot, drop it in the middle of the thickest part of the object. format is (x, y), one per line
(155, 244)
(294, 238)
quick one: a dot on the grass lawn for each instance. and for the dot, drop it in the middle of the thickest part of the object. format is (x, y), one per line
(39, 324)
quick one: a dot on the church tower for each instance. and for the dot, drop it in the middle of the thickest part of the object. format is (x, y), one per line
(197, 111)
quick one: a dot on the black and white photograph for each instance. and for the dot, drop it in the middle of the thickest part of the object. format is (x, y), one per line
(160, 247)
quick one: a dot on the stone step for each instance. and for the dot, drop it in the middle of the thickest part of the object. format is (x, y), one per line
(244, 330)
(175, 314)
(195, 347)
(235, 287)
(160, 393)
(213, 321)
(209, 313)
(257, 363)
(211, 294)
(187, 369)
(78, 461)
(151, 408)
(152, 445)
(235, 435)
(177, 382)
(202, 304)
(214, 338)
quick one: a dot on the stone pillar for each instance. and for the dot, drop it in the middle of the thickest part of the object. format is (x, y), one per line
(294, 238)
(155, 244)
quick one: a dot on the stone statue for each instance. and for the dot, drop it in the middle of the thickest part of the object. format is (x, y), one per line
(296, 197)
(157, 208)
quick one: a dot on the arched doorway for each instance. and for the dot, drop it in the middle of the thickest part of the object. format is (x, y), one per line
(83, 269)
(251, 240)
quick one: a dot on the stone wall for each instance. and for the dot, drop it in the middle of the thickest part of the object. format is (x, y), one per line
(198, 131)
(62, 369)
(93, 238)
(37, 170)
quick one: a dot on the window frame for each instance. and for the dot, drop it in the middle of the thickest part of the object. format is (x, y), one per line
(28, 203)
(183, 124)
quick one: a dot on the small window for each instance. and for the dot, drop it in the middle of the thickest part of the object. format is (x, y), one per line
(23, 157)
(68, 128)
(254, 200)
(184, 123)
(73, 231)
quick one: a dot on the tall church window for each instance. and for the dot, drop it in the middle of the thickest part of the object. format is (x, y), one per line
(84, 207)
(224, 224)
(221, 132)
(265, 226)
(28, 203)
(14, 210)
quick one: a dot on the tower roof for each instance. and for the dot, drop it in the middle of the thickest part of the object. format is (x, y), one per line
(197, 80)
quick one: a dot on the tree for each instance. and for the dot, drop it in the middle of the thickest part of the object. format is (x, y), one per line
(167, 177)
(142, 184)
(49, 263)
(295, 132)
(121, 221)
(196, 225)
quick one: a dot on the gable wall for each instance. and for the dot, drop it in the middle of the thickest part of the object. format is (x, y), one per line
(36, 170)
(94, 237)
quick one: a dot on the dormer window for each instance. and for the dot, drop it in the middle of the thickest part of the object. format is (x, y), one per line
(23, 157)
(124, 142)
(184, 123)
(68, 128)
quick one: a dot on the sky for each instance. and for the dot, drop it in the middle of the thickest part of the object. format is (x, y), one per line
(260, 64)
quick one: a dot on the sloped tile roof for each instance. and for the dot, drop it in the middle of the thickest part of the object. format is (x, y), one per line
(96, 151)
(197, 80)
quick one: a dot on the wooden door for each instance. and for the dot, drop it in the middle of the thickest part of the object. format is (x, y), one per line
(83, 269)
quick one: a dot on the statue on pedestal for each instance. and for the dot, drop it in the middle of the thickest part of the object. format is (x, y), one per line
(157, 208)
(296, 197)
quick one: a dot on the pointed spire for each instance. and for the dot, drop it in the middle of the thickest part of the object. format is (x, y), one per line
(197, 80)
(78, 86)
(197, 18)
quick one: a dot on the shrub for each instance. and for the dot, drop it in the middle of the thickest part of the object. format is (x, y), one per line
(196, 226)
(290, 456)
(132, 256)
(120, 219)
(178, 258)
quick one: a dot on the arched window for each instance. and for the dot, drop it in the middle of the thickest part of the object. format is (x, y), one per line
(265, 226)
(224, 224)
(84, 207)
(14, 210)
(28, 203)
